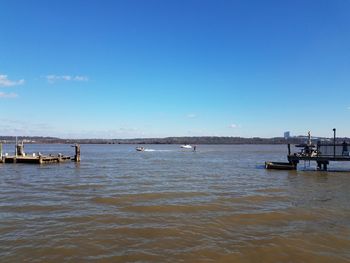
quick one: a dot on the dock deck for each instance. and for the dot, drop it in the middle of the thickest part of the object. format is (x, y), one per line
(293, 158)
(35, 159)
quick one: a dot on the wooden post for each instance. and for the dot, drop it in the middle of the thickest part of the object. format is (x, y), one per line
(295, 165)
(20, 150)
(0, 150)
(334, 130)
(288, 148)
(319, 165)
(16, 147)
(77, 153)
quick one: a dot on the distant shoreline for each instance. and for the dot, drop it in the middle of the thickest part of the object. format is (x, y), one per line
(168, 140)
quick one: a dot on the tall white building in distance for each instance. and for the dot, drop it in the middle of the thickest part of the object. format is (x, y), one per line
(286, 135)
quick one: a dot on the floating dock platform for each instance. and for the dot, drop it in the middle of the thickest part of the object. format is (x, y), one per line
(21, 157)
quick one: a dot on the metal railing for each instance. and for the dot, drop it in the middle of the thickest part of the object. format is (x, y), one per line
(335, 150)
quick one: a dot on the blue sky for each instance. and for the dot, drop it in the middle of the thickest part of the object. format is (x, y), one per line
(147, 68)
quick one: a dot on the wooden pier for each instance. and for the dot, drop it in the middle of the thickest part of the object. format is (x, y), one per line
(322, 153)
(321, 159)
(21, 157)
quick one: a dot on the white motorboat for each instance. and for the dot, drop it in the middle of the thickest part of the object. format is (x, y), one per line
(186, 146)
(140, 149)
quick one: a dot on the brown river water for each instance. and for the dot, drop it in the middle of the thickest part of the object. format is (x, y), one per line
(169, 205)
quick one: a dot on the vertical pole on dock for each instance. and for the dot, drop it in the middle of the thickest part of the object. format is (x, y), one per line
(0, 150)
(334, 130)
(16, 147)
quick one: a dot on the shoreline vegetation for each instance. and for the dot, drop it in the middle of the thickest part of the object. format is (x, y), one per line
(167, 140)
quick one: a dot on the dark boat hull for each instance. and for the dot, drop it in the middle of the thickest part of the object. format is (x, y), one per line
(280, 166)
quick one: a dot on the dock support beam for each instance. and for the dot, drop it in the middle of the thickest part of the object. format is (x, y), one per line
(288, 149)
(322, 165)
(295, 164)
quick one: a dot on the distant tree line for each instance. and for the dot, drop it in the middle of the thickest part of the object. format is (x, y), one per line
(168, 140)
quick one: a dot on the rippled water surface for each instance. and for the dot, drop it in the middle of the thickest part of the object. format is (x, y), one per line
(170, 205)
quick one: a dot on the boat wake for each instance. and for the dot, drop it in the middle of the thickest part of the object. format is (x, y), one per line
(153, 150)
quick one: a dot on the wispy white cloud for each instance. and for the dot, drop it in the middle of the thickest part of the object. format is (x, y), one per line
(54, 78)
(6, 82)
(234, 126)
(191, 115)
(4, 95)
(81, 78)
(348, 108)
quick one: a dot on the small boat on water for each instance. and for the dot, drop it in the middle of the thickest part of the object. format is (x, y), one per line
(280, 166)
(140, 149)
(186, 146)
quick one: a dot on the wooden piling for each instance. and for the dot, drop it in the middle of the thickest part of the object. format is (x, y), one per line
(77, 153)
(288, 148)
(20, 149)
